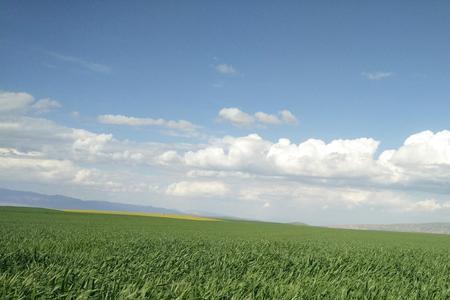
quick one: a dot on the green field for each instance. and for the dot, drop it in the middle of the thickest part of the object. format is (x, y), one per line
(49, 254)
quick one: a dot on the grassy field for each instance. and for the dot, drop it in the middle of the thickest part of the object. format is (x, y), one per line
(170, 216)
(48, 254)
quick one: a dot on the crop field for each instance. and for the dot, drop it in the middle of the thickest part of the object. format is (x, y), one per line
(170, 216)
(47, 254)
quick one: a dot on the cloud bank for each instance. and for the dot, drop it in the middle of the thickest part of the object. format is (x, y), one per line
(248, 176)
(423, 159)
(132, 121)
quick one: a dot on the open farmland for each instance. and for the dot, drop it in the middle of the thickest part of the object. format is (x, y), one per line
(49, 254)
(141, 214)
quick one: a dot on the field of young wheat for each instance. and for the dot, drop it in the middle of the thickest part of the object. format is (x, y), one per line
(48, 254)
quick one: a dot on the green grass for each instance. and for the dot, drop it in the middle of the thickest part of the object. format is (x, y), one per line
(47, 254)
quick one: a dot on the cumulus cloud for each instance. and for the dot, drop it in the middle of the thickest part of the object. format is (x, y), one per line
(59, 142)
(198, 189)
(236, 116)
(31, 166)
(21, 103)
(168, 157)
(45, 105)
(267, 118)
(422, 163)
(230, 154)
(346, 158)
(377, 75)
(218, 174)
(288, 117)
(424, 149)
(253, 174)
(240, 118)
(310, 158)
(423, 160)
(89, 145)
(11, 102)
(132, 121)
(226, 69)
(41, 151)
(23, 168)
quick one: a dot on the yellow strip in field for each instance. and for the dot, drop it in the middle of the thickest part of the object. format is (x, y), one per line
(142, 214)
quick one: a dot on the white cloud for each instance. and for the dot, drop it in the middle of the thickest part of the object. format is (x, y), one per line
(377, 75)
(236, 116)
(288, 117)
(89, 145)
(36, 150)
(230, 154)
(258, 178)
(303, 196)
(346, 158)
(91, 66)
(218, 174)
(132, 121)
(113, 183)
(226, 69)
(240, 118)
(11, 152)
(45, 105)
(428, 205)
(267, 118)
(11, 102)
(40, 135)
(168, 157)
(424, 148)
(310, 158)
(423, 160)
(422, 163)
(25, 168)
(21, 103)
(198, 189)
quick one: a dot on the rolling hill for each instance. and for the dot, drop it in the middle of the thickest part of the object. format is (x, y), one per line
(31, 199)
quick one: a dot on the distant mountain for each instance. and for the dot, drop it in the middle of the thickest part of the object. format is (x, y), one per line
(208, 214)
(19, 198)
(298, 223)
(443, 228)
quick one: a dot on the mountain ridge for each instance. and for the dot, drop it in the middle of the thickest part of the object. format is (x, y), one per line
(33, 199)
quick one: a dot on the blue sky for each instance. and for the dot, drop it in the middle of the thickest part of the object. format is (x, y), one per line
(348, 70)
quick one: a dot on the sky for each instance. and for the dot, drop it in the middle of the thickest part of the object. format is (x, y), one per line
(305, 111)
